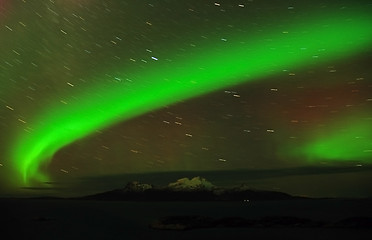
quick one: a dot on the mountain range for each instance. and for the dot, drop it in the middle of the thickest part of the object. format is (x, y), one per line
(185, 189)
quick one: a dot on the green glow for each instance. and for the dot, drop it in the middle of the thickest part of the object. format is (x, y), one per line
(348, 142)
(167, 82)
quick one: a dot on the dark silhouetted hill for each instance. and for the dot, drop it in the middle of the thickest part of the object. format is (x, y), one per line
(184, 189)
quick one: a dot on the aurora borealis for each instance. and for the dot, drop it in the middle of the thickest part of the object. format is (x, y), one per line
(351, 142)
(73, 70)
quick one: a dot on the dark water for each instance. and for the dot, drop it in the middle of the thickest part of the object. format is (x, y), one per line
(73, 219)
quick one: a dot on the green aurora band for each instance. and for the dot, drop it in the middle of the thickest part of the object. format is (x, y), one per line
(350, 140)
(241, 59)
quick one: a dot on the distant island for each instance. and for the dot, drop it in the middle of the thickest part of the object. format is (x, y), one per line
(198, 189)
(186, 209)
(185, 189)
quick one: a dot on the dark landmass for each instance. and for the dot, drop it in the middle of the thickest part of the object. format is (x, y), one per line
(184, 189)
(306, 219)
(181, 223)
(300, 181)
(186, 209)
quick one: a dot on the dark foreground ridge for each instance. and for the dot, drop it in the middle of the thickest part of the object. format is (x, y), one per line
(184, 189)
(180, 223)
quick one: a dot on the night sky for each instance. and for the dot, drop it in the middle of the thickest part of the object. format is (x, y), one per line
(278, 92)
